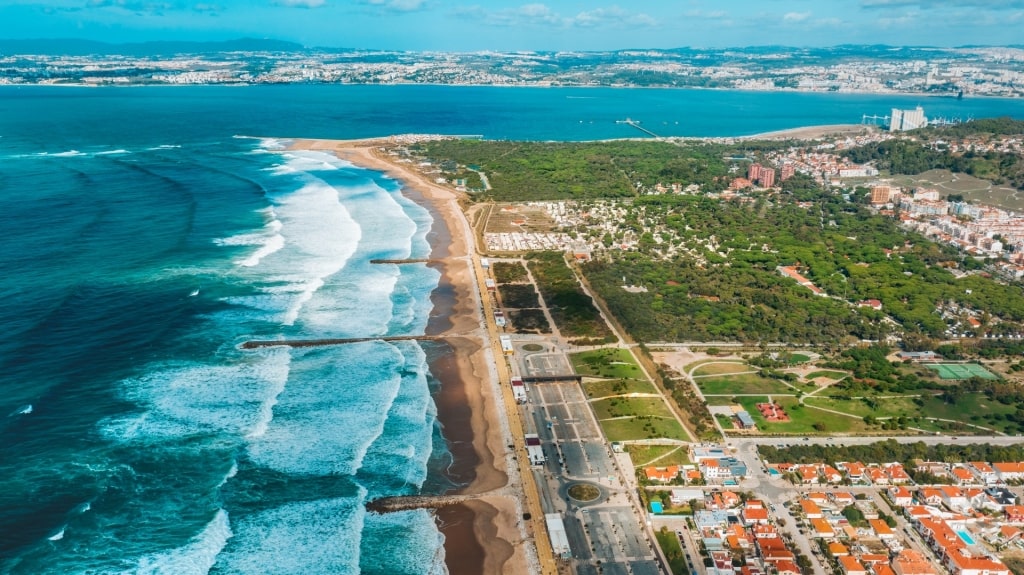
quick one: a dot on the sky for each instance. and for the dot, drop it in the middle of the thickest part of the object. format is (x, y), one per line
(476, 25)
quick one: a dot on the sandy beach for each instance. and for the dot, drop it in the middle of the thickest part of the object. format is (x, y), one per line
(482, 535)
(813, 132)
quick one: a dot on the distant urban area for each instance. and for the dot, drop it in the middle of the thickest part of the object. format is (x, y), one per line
(975, 71)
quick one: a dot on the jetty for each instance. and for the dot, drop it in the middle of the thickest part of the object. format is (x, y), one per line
(257, 343)
(636, 124)
(407, 261)
(410, 502)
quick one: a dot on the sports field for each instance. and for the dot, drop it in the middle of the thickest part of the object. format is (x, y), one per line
(960, 371)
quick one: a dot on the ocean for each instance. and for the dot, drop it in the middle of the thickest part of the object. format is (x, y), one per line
(150, 231)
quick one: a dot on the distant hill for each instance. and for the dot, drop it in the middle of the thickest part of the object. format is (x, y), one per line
(77, 47)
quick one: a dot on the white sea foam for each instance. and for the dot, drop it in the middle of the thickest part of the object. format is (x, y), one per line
(67, 154)
(83, 508)
(197, 557)
(426, 556)
(164, 147)
(182, 399)
(334, 408)
(23, 410)
(119, 151)
(308, 537)
(58, 535)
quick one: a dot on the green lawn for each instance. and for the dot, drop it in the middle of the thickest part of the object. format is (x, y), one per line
(613, 363)
(798, 358)
(669, 544)
(722, 368)
(826, 373)
(888, 407)
(973, 408)
(629, 406)
(643, 428)
(802, 418)
(743, 384)
(643, 455)
(610, 387)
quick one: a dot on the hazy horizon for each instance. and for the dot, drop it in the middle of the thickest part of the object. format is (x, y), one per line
(502, 25)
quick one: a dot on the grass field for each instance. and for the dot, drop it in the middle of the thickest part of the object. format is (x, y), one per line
(888, 407)
(743, 384)
(611, 363)
(799, 358)
(970, 187)
(643, 455)
(643, 428)
(973, 408)
(722, 368)
(960, 371)
(630, 406)
(826, 373)
(802, 418)
(610, 387)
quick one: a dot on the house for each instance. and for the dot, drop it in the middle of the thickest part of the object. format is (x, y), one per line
(930, 496)
(901, 496)
(871, 303)
(1009, 471)
(818, 497)
(831, 474)
(851, 566)
(917, 512)
(855, 471)
(962, 476)
(822, 529)
(881, 529)
(787, 568)
(985, 472)
(897, 475)
(837, 549)
(754, 515)
(808, 474)
(934, 468)
(662, 474)
(910, 562)
(843, 499)
(877, 476)
(712, 471)
(954, 499)
(1014, 513)
(1001, 496)
(692, 475)
(811, 509)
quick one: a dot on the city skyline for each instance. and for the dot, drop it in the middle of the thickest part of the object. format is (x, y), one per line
(443, 25)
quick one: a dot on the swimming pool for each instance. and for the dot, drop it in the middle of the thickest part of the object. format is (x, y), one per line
(965, 536)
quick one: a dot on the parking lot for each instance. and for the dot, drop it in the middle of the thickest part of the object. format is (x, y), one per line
(605, 535)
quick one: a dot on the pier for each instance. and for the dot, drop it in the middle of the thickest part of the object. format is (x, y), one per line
(406, 261)
(636, 124)
(410, 502)
(257, 343)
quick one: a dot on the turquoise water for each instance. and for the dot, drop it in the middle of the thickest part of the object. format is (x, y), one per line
(965, 536)
(144, 241)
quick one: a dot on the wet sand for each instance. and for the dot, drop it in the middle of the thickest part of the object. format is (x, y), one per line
(481, 536)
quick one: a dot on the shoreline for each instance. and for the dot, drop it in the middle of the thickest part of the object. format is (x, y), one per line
(481, 535)
(241, 84)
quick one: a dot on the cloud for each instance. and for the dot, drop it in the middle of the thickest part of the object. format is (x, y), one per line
(398, 5)
(301, 3)
(796, 16)
(537, 14)
(135, 7)
(712, 15)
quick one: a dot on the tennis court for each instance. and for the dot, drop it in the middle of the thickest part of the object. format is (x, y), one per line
(961, 371)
